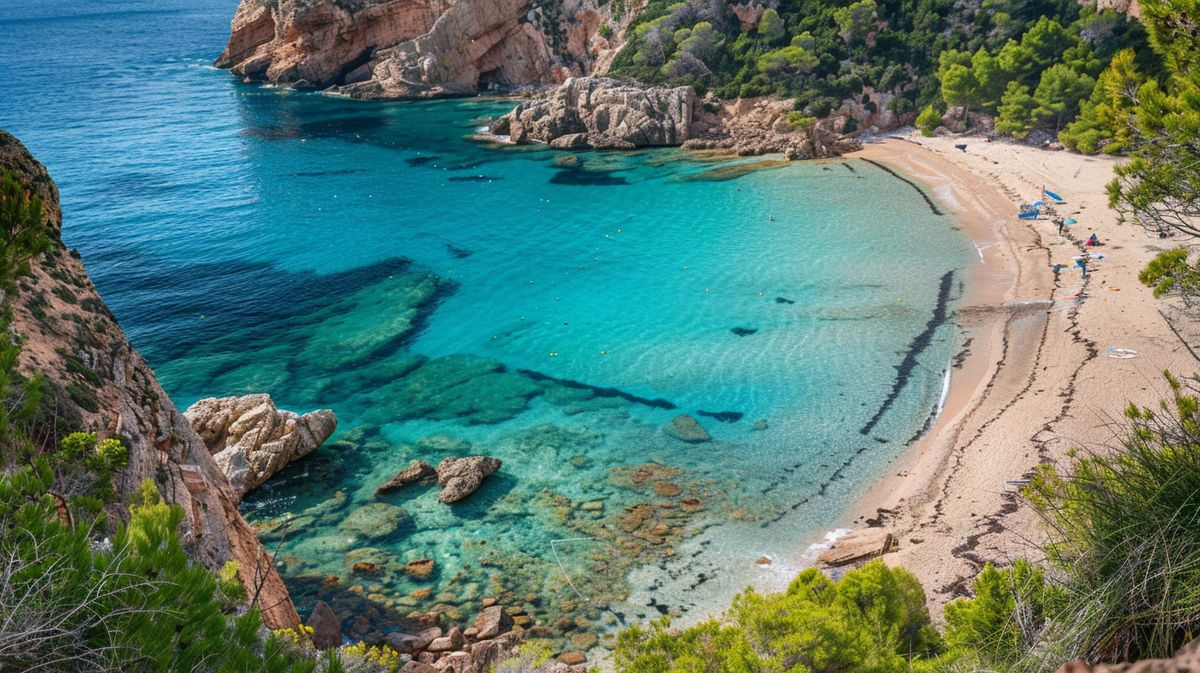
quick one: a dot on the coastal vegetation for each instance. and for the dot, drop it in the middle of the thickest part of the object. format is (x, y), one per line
(1122, 555)
(1030, 65)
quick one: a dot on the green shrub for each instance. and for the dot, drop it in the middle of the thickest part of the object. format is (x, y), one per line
(1125, 529)
(929, 120)
(873, 620)
(1005, 618)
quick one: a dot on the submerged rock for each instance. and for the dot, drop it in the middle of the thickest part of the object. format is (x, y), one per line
(375, 520)
(460, 477)
(251, 439)
(685, 428)
(418, 472)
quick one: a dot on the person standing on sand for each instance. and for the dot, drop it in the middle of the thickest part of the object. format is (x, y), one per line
(1082, 264)
(1060, 222)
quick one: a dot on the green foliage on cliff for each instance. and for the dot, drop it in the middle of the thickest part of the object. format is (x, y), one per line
(1159, 188)
(938, 52)
(139, 603)
(22, 229)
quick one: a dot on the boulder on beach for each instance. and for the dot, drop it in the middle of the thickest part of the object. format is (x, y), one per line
(685, 428)
(417, 472)
(460, 477)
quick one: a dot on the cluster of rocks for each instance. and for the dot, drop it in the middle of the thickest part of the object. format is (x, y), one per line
(457, 477)
(601, 113)
(756, 126)
(251, 439)
(475, 649)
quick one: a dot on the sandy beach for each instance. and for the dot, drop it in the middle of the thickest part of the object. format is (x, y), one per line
(1037, 377)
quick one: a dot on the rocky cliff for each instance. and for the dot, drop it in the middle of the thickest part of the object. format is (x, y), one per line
(397, 49)
(100, 384)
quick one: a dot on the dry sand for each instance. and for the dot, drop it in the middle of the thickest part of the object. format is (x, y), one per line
(1037, 378)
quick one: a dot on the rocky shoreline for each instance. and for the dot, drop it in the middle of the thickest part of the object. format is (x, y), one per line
(602, 113)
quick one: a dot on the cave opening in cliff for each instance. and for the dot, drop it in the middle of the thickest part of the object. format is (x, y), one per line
(493, 80)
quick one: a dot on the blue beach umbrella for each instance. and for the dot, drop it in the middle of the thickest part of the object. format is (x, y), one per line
(1070, 221)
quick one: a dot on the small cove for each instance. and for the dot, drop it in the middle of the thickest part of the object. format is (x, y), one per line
(448, 298)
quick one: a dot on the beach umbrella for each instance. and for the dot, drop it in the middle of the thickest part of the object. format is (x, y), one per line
(1038, 204)
(1070, 221)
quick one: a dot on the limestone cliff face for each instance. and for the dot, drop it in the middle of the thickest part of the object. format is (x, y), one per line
(397, 49)
(101, 384)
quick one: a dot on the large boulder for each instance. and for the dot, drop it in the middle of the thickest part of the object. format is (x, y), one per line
(327, 630)
(492, 621)
(251, 439)
(460, 477)
(604, 114)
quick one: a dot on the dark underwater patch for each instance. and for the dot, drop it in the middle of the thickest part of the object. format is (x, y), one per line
(723, 416)
(583, 177)
(657, 403)
(744, 331)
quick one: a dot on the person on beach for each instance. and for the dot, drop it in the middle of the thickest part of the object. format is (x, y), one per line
(1082, 264)
(1057, 268)
(1093, 241)
(1060, 222)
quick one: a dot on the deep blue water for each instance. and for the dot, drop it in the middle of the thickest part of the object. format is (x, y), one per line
(447, 297)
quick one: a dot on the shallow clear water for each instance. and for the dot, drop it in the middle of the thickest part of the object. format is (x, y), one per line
(446, 297)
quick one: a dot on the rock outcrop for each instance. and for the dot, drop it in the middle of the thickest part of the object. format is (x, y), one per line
(604, 114)
(601, 113)
(394, 49)
(460, 477)
(99, 383)
(755, 126)
(251, 439)
(417, 472)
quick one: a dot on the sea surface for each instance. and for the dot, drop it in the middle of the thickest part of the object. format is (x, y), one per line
(447, 297)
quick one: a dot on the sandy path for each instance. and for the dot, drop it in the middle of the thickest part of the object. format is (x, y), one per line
(1038, 378)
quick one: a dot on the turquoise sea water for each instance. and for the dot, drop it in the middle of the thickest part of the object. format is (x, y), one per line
(446, 297)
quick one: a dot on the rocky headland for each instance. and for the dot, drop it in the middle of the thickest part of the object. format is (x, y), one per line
(603, 113)
(404, 49)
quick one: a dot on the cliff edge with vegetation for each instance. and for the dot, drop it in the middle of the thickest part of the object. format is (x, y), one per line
(95, 382)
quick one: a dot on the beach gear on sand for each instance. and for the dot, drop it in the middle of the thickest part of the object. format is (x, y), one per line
(1031, 214)
(962, 147)
(1122, 353)
(1092, 255)
(1070, 220)
(1052, 195)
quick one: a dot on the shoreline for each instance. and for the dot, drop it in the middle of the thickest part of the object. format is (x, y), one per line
(1021, 392)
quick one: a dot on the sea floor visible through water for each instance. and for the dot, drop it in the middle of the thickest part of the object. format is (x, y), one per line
(448, 297)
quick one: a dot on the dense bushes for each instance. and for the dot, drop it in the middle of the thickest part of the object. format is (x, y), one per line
(928, 52)
(873, 620)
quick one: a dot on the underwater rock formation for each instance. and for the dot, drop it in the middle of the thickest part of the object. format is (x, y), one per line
(417, 472)
(687, 429)
(251, 439)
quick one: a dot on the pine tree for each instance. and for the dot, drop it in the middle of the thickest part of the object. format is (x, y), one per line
(1017, 111)
(1059, 92)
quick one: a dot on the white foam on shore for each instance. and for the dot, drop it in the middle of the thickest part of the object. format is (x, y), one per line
(779, 573)
(945, 391)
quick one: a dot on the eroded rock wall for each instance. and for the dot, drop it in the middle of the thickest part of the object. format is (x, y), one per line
(398, 49)
(101, 384)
